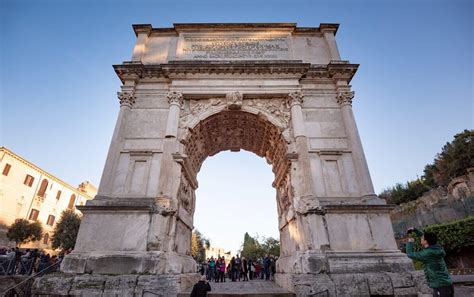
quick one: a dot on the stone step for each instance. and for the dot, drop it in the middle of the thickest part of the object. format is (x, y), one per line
(217, 294)
(253, 288)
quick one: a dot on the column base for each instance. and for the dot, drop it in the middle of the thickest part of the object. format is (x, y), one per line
(350, 274)
(128, 263)
(113, 285)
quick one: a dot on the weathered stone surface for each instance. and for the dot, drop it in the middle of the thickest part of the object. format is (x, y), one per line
(157, 285)
(421, 284)
(401, 280)
(379, 284)
(313, 284)
(121, 285)
(409, 291)
(88, 285)
(54, 284)
(350, 284)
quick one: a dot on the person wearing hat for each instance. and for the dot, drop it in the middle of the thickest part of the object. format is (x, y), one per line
(201, 288)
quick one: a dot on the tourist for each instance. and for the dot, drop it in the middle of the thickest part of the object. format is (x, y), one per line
(266, 267)
(250, 268)
(201, 288)
(232, 267)
(244, 269)
(432, 256)
(222, 269)
(238, 267)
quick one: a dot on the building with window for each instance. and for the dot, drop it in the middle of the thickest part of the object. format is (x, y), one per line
(29, 192)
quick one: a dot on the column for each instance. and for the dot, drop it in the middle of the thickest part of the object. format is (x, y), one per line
(175, 100)
(344, 98)
(127, 99)
(331, 42)
(142, 32)
(295, 100)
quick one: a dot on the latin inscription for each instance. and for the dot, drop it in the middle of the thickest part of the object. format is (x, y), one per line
(252, 48)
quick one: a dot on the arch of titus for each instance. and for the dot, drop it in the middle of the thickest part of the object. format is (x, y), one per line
(277, 90)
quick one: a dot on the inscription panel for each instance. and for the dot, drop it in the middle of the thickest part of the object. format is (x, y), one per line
(235, 47)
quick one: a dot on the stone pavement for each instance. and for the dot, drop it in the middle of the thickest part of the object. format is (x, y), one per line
(253, 288)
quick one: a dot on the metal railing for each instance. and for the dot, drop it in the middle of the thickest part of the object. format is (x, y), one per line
(23, 288)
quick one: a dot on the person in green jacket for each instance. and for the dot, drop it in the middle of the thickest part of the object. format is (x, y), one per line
(432, 256)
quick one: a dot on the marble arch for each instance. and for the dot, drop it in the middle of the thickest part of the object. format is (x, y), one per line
(278, 90)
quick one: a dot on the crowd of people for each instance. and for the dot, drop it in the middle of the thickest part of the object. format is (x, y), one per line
(27, 262)
(238, 269)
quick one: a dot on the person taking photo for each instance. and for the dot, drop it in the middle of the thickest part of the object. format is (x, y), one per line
(432, 257)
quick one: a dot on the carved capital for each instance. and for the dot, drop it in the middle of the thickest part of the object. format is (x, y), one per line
(295, 98)
(234, 100)
(345, 97)
(126, 98)
(175, 98)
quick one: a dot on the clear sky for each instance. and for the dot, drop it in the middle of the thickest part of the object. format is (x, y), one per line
(414, 89)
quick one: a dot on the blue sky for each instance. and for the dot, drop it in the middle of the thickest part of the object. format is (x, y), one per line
(414, 88)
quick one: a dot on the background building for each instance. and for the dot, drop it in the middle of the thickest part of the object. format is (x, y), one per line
(218, 252)
(29, 192)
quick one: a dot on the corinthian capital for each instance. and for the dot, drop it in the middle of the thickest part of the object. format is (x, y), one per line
(126, 98)
(175, 98)
(295, 98)
(345, 97)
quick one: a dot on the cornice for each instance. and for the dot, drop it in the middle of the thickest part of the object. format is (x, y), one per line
(187, 27)
(336, 70)
(41, 171)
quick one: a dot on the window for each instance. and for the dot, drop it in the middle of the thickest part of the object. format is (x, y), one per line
(72, 200)
(6, 169)
(29, 180)
(58, 195)
(34, 214)
(43, 187)
(50, 220)
(46, 238)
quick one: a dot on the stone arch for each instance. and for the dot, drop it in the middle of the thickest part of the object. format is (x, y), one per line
(234, 130)
(247, 129)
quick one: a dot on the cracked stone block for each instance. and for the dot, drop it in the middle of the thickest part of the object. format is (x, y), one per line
(401, 280)
(88, 285)
(157, 285)
(121, 285)
(53, 284)
(350, 284)
(313, 284)
(380, 284)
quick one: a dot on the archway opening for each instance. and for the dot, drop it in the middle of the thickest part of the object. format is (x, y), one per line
(235, 130)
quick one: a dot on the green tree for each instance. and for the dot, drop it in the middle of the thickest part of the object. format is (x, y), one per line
(254, 247)
(199, 244)
(271, 246)
(65, 231)
(453, 161)
(251, 247)
(22, 231)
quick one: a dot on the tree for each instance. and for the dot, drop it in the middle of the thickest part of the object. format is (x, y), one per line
(199, 244)
(65, 231)
(253, 247)
(22, 231)
(271, 246)
(453, 161)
